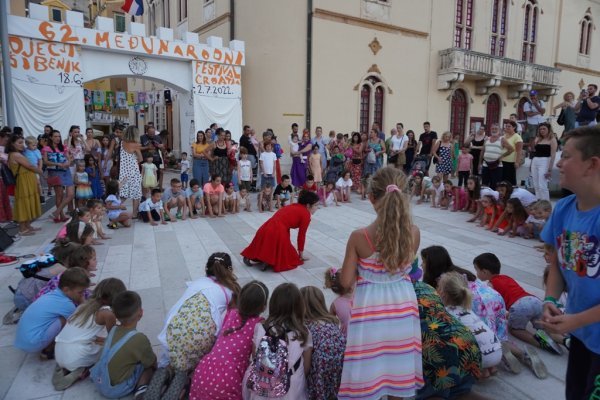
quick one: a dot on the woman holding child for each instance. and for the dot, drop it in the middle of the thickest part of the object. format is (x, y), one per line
(271, 245)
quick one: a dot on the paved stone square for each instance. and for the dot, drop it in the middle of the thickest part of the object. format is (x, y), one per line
(157, 261)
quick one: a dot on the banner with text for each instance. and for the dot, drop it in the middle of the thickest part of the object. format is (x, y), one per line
(217, 80)
(45, 63)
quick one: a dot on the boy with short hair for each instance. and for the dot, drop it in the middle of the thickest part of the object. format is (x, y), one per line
(185, 167)
(151, 209)
(44, 318)
(436, 191)
(522, 307)
(127, 361)
(245, 170)
(174, 197)
(538, 215)
(284, 192)
(267, 166)
(571, 236)
(194, 198)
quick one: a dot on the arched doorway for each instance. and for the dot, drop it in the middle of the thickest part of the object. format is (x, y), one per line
(492, 111)
(458, 113)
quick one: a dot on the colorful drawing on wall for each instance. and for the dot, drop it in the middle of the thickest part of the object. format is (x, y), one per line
(131, 98)
(98, 99)
(110, 99)
(121, 100)
(141, 98)
(87, 97)
(150, 98)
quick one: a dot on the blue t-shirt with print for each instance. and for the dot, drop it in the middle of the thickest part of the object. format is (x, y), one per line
(576, 236)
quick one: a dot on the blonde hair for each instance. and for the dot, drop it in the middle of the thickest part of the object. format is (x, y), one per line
(314, 306)
(102, 295)
(131, 134)
(31, 140)
(447, 134)
(394, 239)
(543, 205)
(453, 290)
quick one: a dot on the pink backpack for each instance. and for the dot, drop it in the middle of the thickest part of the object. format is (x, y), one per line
(270, 374)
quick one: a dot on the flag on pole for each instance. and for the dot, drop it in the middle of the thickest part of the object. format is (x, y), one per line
(133, 7)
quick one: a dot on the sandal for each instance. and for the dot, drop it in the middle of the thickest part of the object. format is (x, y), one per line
(112, 225)
(63, 379)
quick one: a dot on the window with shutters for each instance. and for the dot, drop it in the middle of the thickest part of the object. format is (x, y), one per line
(532, 12)
(499, 28)
(463, 24)
(372, 103)
(585, 36)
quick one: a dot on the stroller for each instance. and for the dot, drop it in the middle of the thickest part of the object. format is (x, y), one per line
(419, 165)
(336, 166)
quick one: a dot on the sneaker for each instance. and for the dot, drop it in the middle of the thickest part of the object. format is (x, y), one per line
(510, 362)
(12, 317)
(546, 342)
(533, 361)
(178, 215)
(567, 342)
(166, 217)
(112, 225)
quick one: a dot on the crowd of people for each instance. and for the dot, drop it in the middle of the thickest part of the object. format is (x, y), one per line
(399, 328)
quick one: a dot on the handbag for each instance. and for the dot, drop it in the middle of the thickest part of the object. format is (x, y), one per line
(371, 158)
(561, 118)
(7, 176)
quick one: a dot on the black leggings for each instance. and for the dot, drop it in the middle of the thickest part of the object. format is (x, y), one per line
(463, 177)
(583, 372)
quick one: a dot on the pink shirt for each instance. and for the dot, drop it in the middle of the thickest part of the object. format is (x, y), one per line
(209, 189)
(464, 161)
(343, 307)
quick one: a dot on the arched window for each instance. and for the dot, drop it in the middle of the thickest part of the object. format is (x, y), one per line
(463, 24)
(458, 113)
(365, 101)
(530, 31)
(372, 101)
(492, 111)
(499, 27)
(585, 37)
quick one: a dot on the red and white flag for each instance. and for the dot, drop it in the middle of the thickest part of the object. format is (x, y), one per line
(133, 7)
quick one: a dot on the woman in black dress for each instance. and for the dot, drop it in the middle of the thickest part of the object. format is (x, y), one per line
(475, 143)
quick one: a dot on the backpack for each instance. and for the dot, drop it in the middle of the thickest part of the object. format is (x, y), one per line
(30, 269)
(270, 375)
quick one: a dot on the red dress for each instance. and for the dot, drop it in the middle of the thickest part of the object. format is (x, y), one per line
(272, 244)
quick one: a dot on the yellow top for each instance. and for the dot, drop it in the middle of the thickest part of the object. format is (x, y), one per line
(199, 148)
(513, 140)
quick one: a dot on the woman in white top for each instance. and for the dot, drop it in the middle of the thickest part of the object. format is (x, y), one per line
(79, 344)
(399, 144)
(193, 323)
(494, 149)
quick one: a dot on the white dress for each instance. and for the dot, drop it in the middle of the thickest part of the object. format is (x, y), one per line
(75, 345)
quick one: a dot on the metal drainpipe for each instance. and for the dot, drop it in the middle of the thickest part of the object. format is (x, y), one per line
(308, 61)
(9, 110)
(231, 20)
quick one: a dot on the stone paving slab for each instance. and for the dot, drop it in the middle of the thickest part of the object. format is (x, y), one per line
(157, 262)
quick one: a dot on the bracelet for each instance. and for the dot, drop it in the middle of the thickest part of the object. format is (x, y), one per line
(551, 299)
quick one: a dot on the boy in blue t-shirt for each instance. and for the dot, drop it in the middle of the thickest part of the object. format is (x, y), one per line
(572, 238)
(45, 317)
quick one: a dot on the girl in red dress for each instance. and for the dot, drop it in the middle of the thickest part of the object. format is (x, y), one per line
(271, 245)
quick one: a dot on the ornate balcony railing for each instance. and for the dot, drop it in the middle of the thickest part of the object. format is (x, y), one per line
(460, 64)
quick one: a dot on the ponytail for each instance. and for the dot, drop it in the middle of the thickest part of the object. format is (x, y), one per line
(394, 238)
(220, 267)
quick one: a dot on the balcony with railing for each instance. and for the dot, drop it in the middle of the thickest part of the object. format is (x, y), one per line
(489, 71)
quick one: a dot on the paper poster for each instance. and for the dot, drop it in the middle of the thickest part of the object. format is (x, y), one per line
(141, 98)
(98, 99)
(150, 98)
(121, 99)
(110, 99)
(87, 97)
(217, 80)
(131, 98)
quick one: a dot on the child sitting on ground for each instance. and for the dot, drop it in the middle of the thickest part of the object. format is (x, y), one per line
(283, 192)
(117, 212)
(342, 305)
(310, 184)
(230, 199)
(522, 307)
(455, 294)
(97, 214)
(132, 350)
(323, 380)
(151, 209)
(328, 195)
(244, 200)
(79, 344)
(81, 214)
(343, 187)
(219, 374)
(514, 216)
(194, 198)
(83, 257)
(174, 196)
(540, 212)
(265, 199)
(44, 318)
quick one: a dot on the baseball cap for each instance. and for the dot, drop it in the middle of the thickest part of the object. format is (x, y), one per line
(533, 93)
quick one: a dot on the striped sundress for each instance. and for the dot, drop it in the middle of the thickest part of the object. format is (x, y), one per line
(383, 350)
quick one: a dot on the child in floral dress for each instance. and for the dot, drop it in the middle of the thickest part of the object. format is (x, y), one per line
(219, 374)
(329, 344)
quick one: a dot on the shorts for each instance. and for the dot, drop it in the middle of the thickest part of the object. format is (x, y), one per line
(184, 177)
(530, 133)
(459, 389)
(153, 213)
(267, 179)
(528, 308)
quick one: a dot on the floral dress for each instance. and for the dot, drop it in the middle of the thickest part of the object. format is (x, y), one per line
(451, 355)
(488, 304)
(326, 365)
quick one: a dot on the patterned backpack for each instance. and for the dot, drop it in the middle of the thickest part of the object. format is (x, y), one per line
(270, 374)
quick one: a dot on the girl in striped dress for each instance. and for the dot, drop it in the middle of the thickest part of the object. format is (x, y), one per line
(383, 351)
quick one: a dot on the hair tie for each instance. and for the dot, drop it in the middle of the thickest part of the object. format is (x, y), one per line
(262, 289)
(332, 272)
(392, 188)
